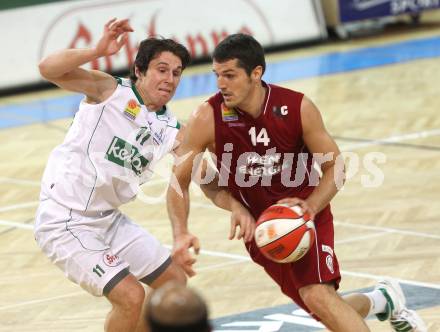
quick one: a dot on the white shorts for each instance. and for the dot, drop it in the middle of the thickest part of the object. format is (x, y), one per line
(97, 250)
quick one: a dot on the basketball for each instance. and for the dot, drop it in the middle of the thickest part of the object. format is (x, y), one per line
(284, 234)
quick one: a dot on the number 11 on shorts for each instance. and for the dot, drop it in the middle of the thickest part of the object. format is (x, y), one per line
(98, 270)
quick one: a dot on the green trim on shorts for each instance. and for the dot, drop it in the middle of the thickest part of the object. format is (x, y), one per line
(115, 280)
(149, 279)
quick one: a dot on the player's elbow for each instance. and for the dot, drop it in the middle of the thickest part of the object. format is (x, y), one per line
(206, 189)
(340, 179)
(339, 173)
(210, 186)
(336, 170)
(46, 70)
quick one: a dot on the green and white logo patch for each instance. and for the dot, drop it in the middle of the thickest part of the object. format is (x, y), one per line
(126, 155)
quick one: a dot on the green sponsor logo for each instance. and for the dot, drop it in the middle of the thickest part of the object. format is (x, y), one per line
(126, 155)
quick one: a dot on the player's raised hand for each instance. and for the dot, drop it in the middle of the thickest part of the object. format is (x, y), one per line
(292, 201)
(181, 254)
(114, 37)
(240, 217)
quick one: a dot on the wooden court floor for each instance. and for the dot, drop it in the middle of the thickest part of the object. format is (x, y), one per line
(388, 228)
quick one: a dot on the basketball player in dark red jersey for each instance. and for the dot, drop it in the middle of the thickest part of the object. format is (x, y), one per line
(264, 137)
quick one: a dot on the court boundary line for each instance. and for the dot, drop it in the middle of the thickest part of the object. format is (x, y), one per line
(12, 306)
(392, 139)
(390, 144)
(20, 181)
(18, 206)
(386, 229)
(16, 224)
(361, 238)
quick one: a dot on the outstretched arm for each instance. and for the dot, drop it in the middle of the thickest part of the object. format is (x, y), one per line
(197, 136)
(63, 67)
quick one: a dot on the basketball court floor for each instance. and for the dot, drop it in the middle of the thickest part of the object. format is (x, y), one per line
(379, 98)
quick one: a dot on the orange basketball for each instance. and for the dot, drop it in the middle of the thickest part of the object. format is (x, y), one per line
(284, 233)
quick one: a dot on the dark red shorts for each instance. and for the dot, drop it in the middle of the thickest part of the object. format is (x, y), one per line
(319, 265)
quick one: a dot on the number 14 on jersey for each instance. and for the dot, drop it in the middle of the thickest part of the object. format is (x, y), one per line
(261, 137)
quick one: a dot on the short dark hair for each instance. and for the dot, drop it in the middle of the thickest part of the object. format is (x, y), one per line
(151, 47)
(201, 325)
(245, 48)
(175, 308)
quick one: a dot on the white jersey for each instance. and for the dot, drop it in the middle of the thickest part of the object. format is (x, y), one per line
(109, 150)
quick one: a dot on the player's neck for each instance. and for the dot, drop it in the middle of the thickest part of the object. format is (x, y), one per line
(255, 102)
(151, 106)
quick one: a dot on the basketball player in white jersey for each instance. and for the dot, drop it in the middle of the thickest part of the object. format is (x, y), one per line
(122, 128)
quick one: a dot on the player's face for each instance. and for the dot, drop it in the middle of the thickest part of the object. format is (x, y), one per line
(233, 82)
(161, 79)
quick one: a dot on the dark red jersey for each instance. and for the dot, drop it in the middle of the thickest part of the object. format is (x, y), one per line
(265, 159)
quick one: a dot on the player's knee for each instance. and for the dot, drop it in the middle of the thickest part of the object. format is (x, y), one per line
(133, 301)
(128, 298)
(315, 297)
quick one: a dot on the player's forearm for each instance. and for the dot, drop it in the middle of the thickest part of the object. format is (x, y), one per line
(61, 62)
(326, 189)
(178, 210)
(219, 196)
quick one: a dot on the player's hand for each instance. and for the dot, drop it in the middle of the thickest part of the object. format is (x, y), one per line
(305, 207)
(181, 254)
(114, 37)
(240, 217)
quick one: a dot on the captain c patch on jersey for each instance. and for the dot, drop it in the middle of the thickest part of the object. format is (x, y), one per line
(280, 110)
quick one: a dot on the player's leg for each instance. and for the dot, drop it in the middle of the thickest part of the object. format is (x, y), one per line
(387, 302)
(316, 279)
(127, 298)
(171, 273)
(359, 302)
(150, 262)
(323, 301)
(319, 299)
(312, 281)
(76, 244)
